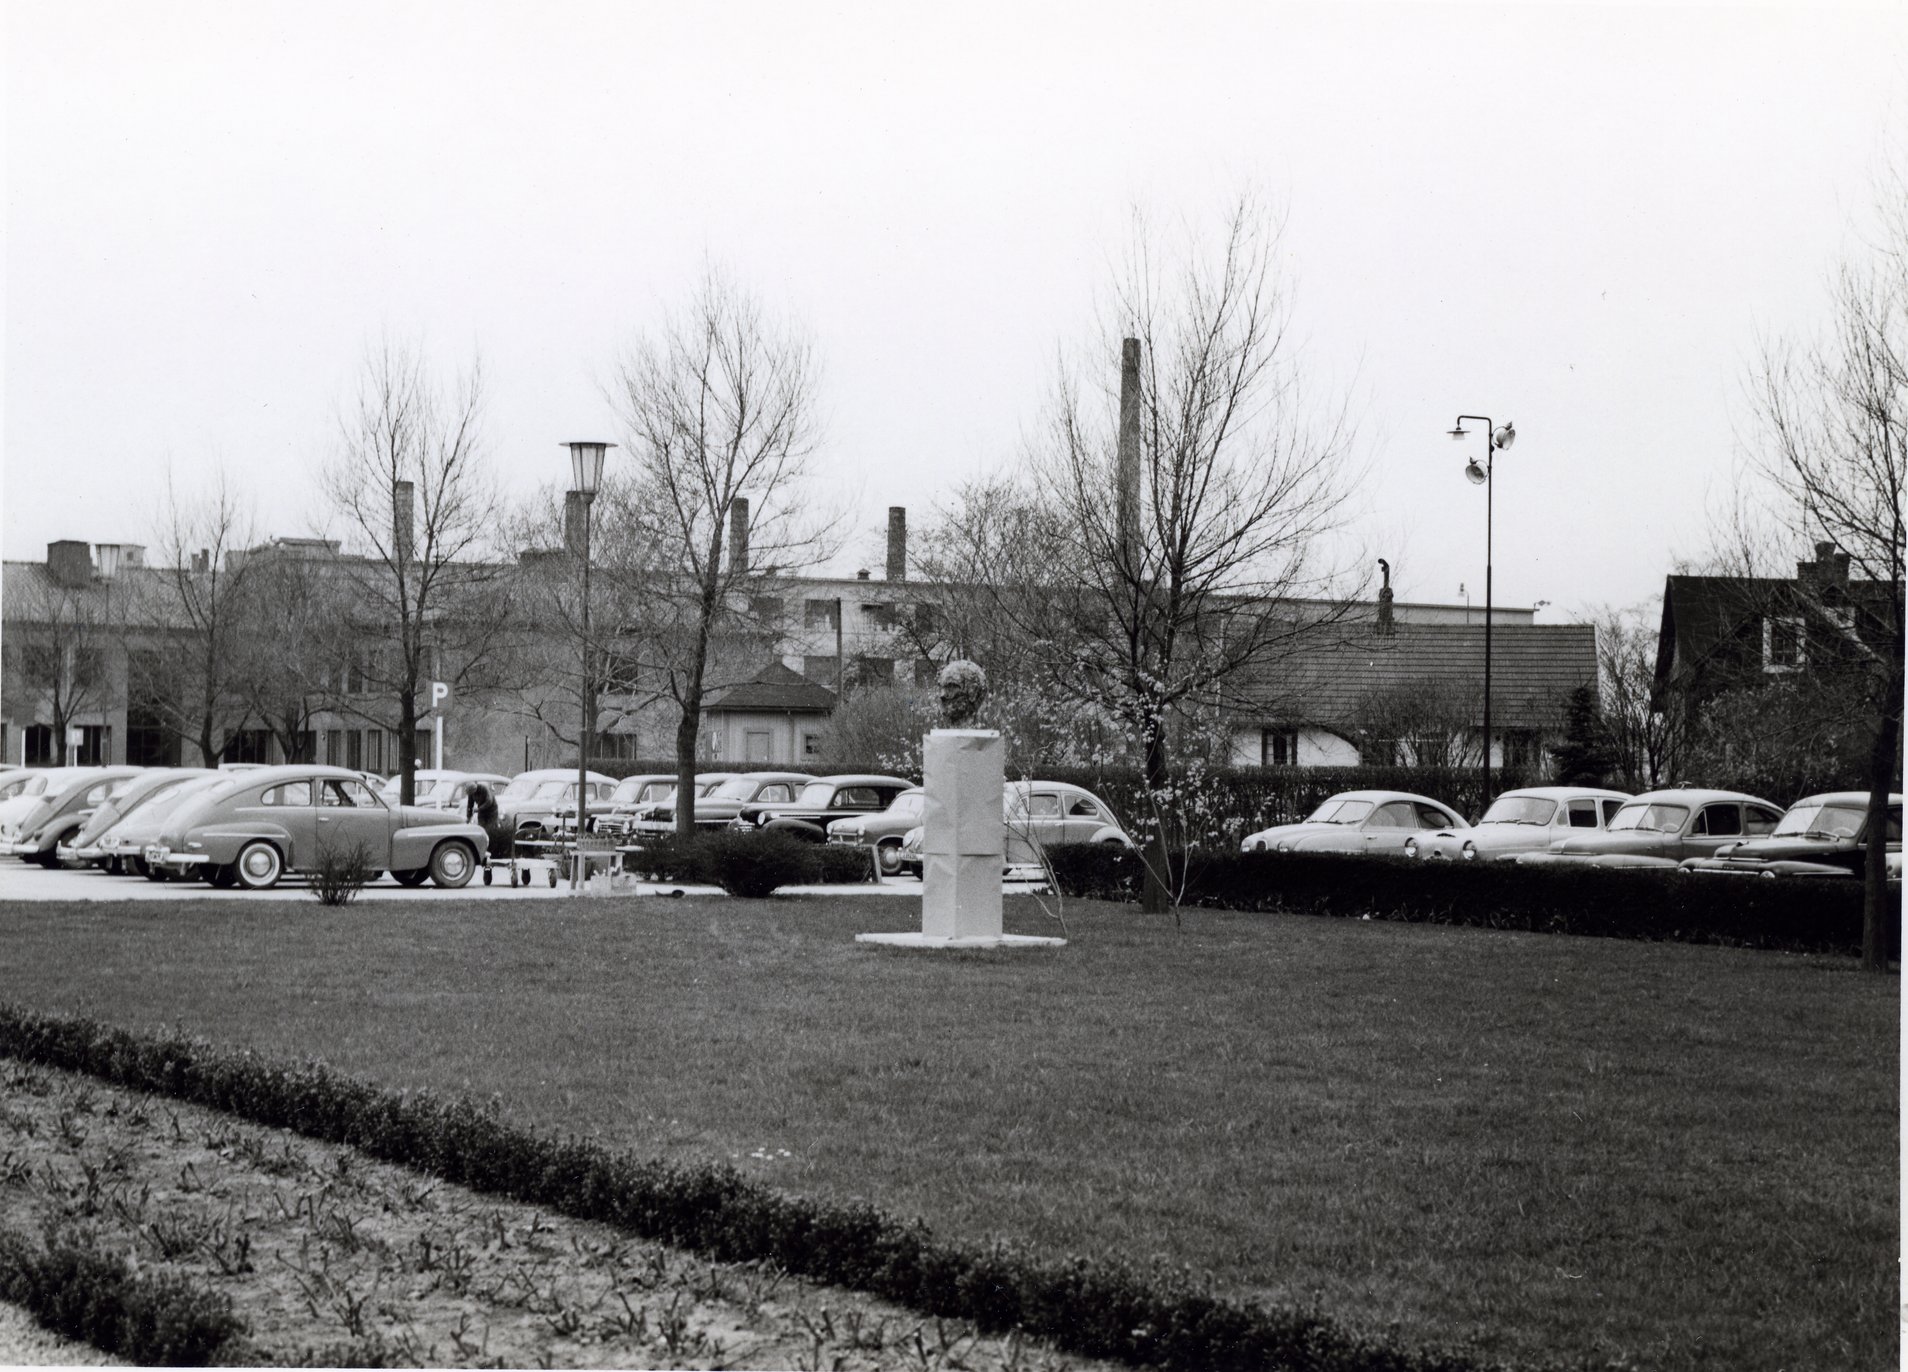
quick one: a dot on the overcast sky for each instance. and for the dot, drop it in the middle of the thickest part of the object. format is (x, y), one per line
(1577, 218)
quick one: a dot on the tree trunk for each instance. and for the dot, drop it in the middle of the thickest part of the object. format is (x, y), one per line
(686, 730)
(1156, 896)
(1876, 906)
(407, 740)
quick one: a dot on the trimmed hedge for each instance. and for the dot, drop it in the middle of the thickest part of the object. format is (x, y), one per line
(750, 864)
(76, 1290)
(1155, 1316)
(1797, 914)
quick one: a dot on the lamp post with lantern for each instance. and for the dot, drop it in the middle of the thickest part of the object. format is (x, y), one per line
(1495, 438)
(586, 474)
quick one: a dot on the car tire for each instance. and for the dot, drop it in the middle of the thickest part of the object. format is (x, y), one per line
(416, 876)
(259, 866)
(46, 858)
(224, 876)
(452, 865)
(888, 857)
(151, 873)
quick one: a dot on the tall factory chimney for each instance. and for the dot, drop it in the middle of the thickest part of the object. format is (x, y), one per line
(1127, 477)
(897, 543)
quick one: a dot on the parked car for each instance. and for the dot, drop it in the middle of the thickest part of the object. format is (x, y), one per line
(725, 802)
(1820, 836)
(1661, 828)
(286, 819)
(1359, 822)
(34, 834)
(441, 788)
(530, 802)
(1035, 815)
(820, 803)
(884, 832)
(36, 783)
(125, 843)
(83, 844)
(1520, 821)
(626, 818)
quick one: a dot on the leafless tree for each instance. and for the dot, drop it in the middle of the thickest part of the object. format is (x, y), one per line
(55, 657)
(1646, 729)
(1154, 599)
(410, 482)
(188, 687)
(1422, 722)
(717, 407)
(285, 620)
(1831, 458)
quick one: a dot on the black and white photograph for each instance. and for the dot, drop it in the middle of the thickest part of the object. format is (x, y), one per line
(991, 688)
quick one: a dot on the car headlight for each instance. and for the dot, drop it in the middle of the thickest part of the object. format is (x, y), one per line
(1468, 851)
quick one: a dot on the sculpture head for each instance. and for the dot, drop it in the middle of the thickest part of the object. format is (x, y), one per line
(963, 687)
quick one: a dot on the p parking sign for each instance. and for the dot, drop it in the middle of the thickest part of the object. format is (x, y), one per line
(440, 694)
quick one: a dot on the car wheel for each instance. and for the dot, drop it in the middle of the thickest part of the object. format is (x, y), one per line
(413, 877)
(452, 865)
(224, 876)
(151, 873)
(259, 866)
(888, 857)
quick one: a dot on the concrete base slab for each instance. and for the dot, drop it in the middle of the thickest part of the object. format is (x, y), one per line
(971, 941)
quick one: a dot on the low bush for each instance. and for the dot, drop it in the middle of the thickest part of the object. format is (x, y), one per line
(341, 873)
(741, 862)
(1799, 915)
(81, 1292)
(837, 864)
(1148, 1316)
(672, 858)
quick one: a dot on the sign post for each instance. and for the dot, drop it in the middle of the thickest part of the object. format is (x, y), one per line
(440, 699)
(75, 740)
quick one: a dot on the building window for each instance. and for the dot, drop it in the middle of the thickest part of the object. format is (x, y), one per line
(811, 744)
(39, 745)
(756, 746)
(1520, 747)
(304, 746)
(873, 671)
(96, 745)
(245, 745)
(821, 614)
(335, 747)
(1784, 643)
(821, 670)
(620, 747)
(767, 609)
(1278, 747)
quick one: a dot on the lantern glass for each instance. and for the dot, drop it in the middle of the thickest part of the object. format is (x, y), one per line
(586, 466)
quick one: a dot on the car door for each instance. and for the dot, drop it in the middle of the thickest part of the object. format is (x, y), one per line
(1085, 818)
(349, 814)
(288, 805)
(1582, 813)
(1388, 826)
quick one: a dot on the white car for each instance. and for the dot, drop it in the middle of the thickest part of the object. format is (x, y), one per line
(1521, 821)
(1036, 814)
(1358, 822)
(441, 790)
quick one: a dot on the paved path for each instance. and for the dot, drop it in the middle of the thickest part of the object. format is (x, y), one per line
(23, 1343)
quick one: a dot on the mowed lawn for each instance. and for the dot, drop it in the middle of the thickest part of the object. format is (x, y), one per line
(1558, 1149)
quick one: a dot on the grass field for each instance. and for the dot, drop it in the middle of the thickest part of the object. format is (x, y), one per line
(1559, 1149)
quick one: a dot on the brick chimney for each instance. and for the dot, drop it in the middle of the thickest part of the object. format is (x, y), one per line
(574, 513)
(403, 519)
(202, 560)
(739, 536)
(69, 563)
(897, 543)
(1127, 476)
(107, 555)
(1386, 627)
(1830, 568)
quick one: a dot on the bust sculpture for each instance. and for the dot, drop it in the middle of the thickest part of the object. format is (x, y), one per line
(963, 688)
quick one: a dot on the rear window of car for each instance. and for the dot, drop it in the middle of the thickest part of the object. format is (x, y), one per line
(1431, 817)
(859, 798)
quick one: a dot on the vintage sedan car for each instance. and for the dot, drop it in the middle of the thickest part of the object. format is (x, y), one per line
(1820, 836)
(884, 832)
(632, 793)
(1661, 828)
(530, 803)
(627, 820)
(123, 846)
(287, 819)
(820, 803)
(34, 834)
(1035, 815)
(83, 846)
(717, 809)
(34, 785)
(1520, 821)
(441, 788)
(1359, 822)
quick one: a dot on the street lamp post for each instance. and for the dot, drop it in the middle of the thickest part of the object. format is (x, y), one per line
(586, 472)
(1494, 438)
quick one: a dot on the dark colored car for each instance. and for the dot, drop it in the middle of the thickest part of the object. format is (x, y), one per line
(287, 819)
(884, 832)
(1662, 828)
(820, 803)
(722, 805)
(1820, 836)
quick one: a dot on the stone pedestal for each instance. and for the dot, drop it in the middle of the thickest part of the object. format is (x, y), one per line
(962, 845)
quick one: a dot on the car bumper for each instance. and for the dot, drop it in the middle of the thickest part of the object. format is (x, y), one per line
(157, 855)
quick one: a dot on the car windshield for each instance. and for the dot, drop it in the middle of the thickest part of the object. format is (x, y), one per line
(1837, 821)
(1336, 811)
(1520, 810)
(552, 790)
(735, 788)
(816, 793)
(520, 789)
(629, 790)
(1658, 818)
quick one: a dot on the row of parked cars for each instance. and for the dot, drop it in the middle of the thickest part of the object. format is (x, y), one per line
(1698, 830)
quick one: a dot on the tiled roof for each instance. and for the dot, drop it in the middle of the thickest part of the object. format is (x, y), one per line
(1533, 667)
(1704, 616)
(775, 688)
